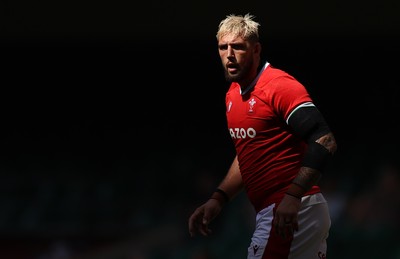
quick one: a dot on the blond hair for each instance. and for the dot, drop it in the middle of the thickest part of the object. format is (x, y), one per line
(239, 25)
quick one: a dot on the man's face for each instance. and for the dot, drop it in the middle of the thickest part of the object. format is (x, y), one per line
(237, 58)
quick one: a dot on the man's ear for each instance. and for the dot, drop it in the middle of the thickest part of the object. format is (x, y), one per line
(257, 48)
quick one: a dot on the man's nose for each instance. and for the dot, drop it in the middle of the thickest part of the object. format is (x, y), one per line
(231, 53)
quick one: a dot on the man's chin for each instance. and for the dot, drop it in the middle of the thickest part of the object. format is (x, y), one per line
(232, 78)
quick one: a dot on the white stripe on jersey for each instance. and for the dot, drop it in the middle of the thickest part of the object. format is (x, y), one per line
(307, 104)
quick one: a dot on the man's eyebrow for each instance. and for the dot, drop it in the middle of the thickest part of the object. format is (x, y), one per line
(231, 43)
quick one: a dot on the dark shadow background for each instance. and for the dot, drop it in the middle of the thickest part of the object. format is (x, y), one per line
(113, 124)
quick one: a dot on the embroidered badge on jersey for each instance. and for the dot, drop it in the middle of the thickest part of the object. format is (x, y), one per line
(251, 106)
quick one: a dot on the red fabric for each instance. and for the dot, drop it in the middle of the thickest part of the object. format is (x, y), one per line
(269, 154)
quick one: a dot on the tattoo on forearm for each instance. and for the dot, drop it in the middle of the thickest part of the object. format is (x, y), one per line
(307, 177)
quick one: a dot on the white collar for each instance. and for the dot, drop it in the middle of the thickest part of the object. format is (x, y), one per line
(254, 81)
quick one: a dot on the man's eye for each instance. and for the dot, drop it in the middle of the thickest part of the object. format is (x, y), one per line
(239, 47)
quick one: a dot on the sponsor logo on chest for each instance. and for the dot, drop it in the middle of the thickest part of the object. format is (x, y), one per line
(243, 132)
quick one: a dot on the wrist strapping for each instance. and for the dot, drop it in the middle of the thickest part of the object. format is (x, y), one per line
(221, 193)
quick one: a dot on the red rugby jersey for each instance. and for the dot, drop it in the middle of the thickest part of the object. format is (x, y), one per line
(269, 154)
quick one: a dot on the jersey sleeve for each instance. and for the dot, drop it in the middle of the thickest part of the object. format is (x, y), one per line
(286, 94)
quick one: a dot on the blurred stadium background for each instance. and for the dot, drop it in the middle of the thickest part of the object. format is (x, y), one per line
(113, 125)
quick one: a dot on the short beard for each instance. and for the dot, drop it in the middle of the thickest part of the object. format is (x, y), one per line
(233, 78)
(239, 76)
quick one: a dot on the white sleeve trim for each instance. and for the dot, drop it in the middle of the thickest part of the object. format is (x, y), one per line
(307, 104)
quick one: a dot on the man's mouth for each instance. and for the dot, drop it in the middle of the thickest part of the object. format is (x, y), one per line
(231, 68)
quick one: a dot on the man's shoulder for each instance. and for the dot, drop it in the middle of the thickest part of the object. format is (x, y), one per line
(272, 72)
(275, 76)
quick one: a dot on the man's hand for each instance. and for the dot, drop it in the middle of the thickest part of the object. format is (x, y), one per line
(285, 220)
(202, 216)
